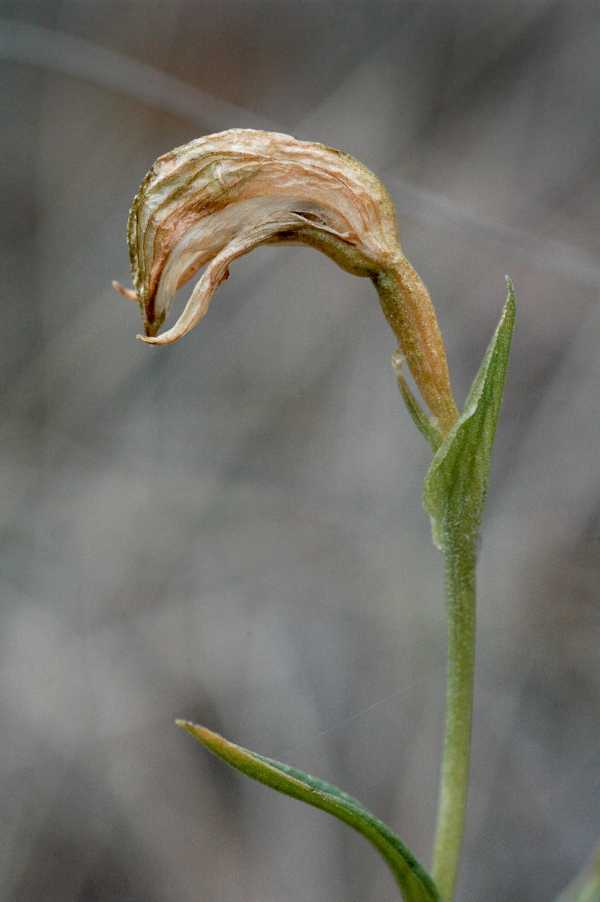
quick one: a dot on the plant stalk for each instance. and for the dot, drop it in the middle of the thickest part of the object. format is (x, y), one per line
(460, 560)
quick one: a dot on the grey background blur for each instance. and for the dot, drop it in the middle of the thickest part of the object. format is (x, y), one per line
(230, 529)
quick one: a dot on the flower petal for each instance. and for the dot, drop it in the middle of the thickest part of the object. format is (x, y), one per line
(185, 256)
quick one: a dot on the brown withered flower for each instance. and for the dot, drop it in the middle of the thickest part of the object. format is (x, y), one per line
(217, 198)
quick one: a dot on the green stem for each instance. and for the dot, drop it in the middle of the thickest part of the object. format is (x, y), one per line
(460, 558)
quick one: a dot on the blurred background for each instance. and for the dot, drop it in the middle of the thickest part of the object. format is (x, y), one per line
(230, 529)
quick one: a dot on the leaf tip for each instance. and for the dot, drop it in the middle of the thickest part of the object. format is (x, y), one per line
(512, 298)
(189, 726)
(203, 735)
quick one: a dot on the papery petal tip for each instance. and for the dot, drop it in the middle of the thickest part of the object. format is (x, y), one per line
(127, 293)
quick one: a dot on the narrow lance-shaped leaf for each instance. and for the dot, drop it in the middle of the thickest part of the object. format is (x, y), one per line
(424, 423)
(456, 484)
(415, 884)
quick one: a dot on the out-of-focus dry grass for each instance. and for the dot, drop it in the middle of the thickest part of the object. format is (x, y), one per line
(230, 529)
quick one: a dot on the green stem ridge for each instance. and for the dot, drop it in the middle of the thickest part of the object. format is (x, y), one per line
(460, 562)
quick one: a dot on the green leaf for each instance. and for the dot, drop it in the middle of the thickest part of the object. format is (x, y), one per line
(414, 882)
(456, 484)
(424, 424)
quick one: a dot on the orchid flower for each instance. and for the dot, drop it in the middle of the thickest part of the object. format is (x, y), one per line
(203, 205)
(217, 198)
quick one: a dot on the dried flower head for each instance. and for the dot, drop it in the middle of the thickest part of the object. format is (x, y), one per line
(217, 198)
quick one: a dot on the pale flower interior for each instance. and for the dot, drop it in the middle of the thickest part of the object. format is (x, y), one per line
(221, 238)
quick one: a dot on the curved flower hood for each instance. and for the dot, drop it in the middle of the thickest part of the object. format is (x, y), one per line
(217, 198)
